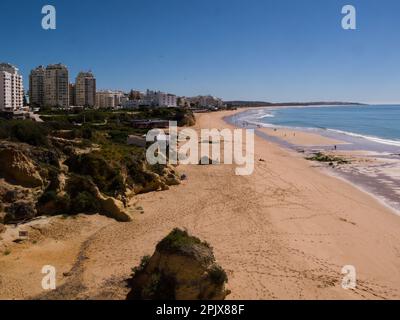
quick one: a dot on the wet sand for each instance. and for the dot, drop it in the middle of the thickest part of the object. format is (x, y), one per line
(372, 167)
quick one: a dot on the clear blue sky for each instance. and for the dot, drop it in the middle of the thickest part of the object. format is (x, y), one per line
(273, 50)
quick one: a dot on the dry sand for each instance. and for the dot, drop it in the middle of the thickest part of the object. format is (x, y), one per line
(284, 232)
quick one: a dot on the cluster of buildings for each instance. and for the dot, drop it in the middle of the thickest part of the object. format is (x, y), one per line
(109, 99)
(49, 86)
(205, 102)
(112, 99)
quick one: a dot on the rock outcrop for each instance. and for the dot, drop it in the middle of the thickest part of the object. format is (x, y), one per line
(81, 195)
(113, 208)
(17, 168)
(158, 180)
(182, 268)
(39, 180)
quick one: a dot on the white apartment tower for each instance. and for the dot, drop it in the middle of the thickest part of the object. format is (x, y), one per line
(36, 86)
(56, 86)
(85, 90)
(11, 88)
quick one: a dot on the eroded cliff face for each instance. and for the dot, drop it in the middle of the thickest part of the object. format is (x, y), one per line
(182, 268)
(17, 168)
(36, 181)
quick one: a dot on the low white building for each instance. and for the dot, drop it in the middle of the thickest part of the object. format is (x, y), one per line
(131, 104)
(11, 88)
(109, 99)
(160, 99)
(207, 101)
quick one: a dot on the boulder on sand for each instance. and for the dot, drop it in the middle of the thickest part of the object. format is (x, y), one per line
(109, 206)
(114, 208)
(182, 268)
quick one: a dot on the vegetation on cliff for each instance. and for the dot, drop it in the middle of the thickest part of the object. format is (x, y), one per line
(79, 163)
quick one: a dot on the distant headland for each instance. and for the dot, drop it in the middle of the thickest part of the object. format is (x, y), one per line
(240, 103)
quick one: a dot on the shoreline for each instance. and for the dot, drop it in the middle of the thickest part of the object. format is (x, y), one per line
(378, 184)
(371, 142)
(284, 232)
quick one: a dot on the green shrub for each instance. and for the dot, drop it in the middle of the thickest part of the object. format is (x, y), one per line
(84, 202)
(107, 178)
(47, 197)
(218, 275)
(91, 116)
(159, 287)
(136, 172)
(143, 264)
(20, 211)
(51, 174)
(4, 129)
(60, 203)
(179, 240)
(151, 289)
(87, 133)
(26, 131)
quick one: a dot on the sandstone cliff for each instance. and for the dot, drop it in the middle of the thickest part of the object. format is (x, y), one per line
(43, 181)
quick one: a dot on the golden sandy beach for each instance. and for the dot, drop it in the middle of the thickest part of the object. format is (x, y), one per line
(285, 232)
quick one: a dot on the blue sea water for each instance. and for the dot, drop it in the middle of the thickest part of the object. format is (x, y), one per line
(372, 128)
(377, 123)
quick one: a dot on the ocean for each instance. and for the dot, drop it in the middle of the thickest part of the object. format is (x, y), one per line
(376, 124)
(372, 129)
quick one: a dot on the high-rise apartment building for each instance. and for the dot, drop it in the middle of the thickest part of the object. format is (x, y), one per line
(11, 88)
(56, 86)
(72, 100)
(36, 86)
(85, 89)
